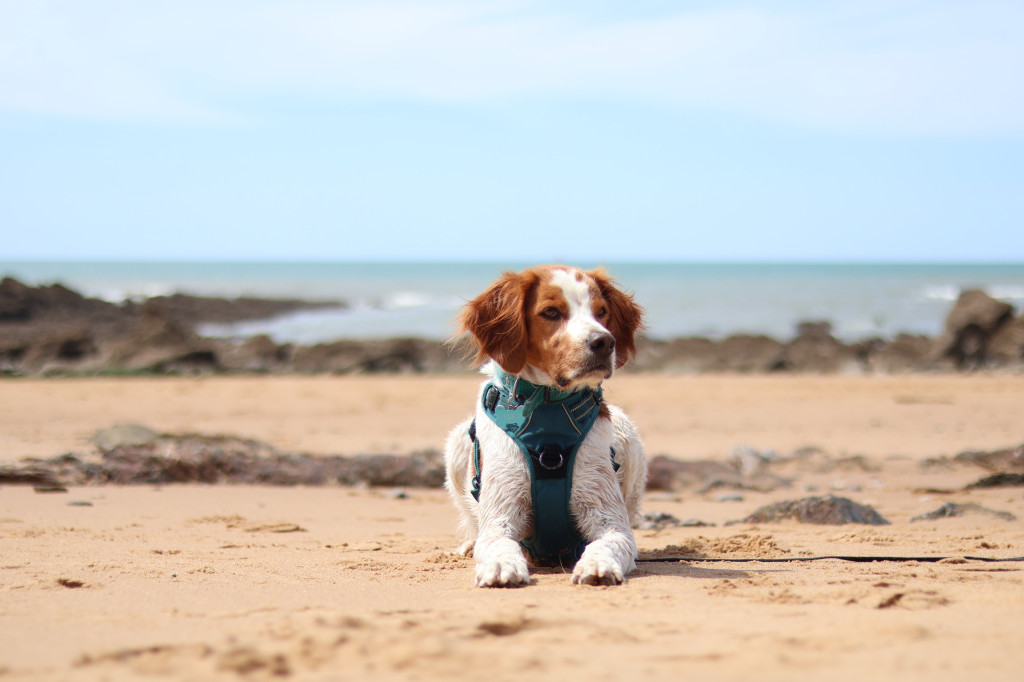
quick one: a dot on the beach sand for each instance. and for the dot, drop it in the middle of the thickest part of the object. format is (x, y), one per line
(198, 582)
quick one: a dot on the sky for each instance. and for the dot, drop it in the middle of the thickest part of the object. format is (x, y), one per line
(780, 130)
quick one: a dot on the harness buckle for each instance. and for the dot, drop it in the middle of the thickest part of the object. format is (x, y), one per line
(546, 458)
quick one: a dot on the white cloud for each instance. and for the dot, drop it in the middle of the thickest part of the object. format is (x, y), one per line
(899, 66)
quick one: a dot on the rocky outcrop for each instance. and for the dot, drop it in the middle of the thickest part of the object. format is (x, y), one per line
(975, 320)
(52, 329)
(905, 353)
(134, 455)
(190, 310)
(815, 350)
(157, 343)
(1005, 346)
(743, 353)
(953, 509)
(827, 510)
(257, 354)
(54, 303)
(980, 333)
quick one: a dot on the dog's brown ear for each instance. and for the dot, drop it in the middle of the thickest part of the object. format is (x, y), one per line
(497, 321)
(625, 317)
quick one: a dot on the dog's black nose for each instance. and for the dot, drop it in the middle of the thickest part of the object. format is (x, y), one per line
(601, 344)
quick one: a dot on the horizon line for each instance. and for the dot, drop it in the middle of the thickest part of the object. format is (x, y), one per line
(490, 261)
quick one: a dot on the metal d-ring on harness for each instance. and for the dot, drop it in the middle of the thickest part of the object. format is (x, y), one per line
(549, 426)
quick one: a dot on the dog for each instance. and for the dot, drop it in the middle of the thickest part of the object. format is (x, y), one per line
(544, 464)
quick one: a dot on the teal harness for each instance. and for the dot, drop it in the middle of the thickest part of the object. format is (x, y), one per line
(548, 425)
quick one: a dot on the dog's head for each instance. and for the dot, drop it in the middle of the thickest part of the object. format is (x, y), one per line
(573, 325)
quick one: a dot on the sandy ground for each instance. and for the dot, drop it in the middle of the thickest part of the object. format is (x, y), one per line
(201, 582)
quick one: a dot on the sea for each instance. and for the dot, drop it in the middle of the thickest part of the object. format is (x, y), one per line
(421, 299)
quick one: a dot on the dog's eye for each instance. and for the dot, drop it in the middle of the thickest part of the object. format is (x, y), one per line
(550, 313)
(602, 311)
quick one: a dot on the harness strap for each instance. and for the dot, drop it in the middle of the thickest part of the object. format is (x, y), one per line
(475, 490)
(477, 471)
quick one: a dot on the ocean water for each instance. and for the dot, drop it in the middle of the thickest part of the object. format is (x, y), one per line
(682, 299)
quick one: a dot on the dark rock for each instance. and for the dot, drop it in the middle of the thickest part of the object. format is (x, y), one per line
(191, 458)
(952, 509)
(60, 346)
(340, 357)
(658, 521)
(686, 355)
(51, 328)
(400, 355)
(396, 356)
(256, 354)
(971, 324)
(419, 470)
(1006, 345)
(855, 463)
(815, 329)
(160, 344)
(22, 303)
(1010, 460)
(1001, 480)
(696, 523)
(31, 474)
(740, 353)
(822, 510)
(15, 305)
(905, 353)
(816, 350)
(189, 310)
(46, 347)
(750, 353)
(442, 357)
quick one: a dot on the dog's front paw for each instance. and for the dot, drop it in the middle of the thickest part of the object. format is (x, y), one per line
(597, 570)
(510, 572)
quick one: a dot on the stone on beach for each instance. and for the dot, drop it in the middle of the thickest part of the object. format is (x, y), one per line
(134, 454)
(823, 509)
(953, 509)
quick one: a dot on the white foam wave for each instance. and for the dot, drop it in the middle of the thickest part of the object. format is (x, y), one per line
(1005, 292)
(406, 299)
(403, 300)
(944, 292)
(136, 293)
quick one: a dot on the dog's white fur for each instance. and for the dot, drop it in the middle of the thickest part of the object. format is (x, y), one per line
(604, 503)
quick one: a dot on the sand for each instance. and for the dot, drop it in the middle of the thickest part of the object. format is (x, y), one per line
(219, 582)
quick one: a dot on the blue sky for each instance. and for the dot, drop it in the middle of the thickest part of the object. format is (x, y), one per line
(467, 129)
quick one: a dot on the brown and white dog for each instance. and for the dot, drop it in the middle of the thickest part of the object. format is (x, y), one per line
(566, 328)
